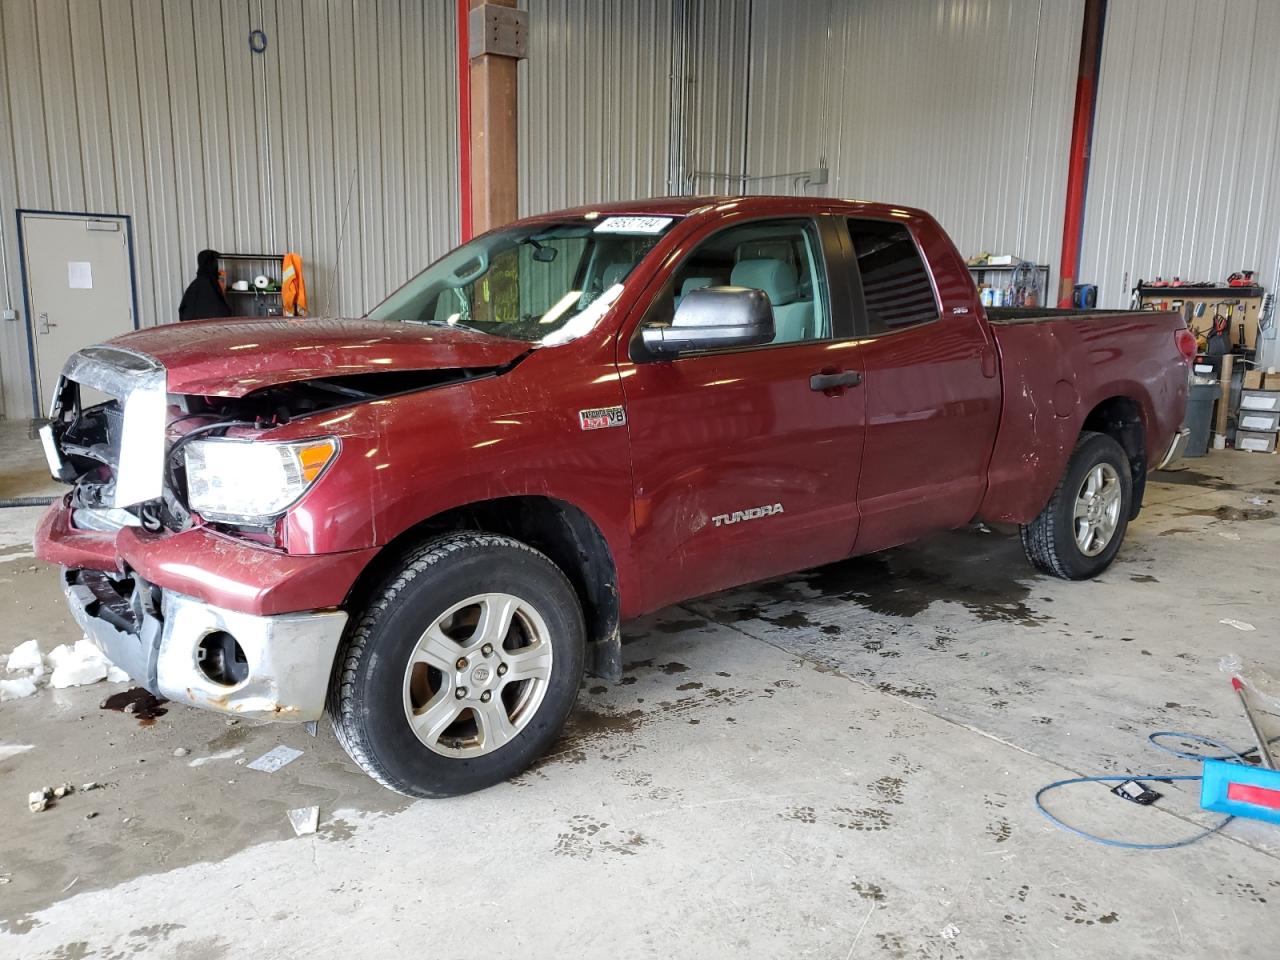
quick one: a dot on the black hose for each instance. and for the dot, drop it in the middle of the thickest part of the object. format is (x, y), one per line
(27, 501)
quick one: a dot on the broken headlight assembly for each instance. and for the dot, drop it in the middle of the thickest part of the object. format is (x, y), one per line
(252, 481)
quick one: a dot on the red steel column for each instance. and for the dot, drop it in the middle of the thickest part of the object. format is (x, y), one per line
(1095, 14)
(464, 119)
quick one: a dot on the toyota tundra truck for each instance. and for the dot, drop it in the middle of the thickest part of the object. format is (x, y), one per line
(431, 520)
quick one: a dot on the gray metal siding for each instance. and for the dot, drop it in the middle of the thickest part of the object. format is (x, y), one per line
(595, 102)
(962, 107)
(339, 142)
(1185, 172)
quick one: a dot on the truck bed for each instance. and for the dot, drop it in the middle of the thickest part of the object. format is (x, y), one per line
(1062, 368)
(1008, 315)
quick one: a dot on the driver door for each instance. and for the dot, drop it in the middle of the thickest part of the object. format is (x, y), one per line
(743, 467)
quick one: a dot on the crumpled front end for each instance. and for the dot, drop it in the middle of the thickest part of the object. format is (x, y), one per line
(192, 652)
(195, 614)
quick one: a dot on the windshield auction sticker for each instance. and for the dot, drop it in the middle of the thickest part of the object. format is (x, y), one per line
(633, 224)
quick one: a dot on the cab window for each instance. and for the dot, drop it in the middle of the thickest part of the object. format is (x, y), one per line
(895, 284)
(781, 257)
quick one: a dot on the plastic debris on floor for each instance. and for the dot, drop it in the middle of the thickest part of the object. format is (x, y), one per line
(305, 820)
(275, 758)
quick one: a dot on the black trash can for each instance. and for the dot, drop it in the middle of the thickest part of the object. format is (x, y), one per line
(1200, 417)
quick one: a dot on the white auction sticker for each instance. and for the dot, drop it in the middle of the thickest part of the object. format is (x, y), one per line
(633, 224)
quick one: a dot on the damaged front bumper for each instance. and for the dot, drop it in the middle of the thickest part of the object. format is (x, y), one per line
(192, 652)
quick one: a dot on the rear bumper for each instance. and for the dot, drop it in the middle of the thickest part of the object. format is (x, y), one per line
(155, 636)
(1177, 446)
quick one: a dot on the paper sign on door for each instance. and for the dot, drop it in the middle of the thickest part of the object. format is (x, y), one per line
(79, 275)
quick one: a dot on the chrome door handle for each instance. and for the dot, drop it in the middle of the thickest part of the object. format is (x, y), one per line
(821, 382)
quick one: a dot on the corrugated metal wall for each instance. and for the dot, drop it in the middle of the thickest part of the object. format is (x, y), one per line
(962, 107)
(1185, 171)
(595, 102)
(338, 142)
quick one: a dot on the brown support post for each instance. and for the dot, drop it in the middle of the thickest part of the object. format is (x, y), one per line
(497, 33)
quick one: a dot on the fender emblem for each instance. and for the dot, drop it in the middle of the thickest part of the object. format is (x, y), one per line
(602, 417)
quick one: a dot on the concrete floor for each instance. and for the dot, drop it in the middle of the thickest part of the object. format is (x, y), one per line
(835, 764)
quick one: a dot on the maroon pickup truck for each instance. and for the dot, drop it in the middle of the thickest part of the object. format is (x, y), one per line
(434, 518)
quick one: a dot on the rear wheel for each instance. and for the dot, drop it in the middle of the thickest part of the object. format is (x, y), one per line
(1079, 532)
(462, 670)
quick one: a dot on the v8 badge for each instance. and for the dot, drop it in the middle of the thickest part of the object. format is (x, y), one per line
(602, 417)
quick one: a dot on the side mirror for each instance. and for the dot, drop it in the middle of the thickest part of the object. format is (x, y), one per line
(713, 318)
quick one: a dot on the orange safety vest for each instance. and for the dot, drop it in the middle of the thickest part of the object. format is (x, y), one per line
(293, 290)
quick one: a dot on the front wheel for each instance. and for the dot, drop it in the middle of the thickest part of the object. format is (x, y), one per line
(1079, 532)
(462, 669)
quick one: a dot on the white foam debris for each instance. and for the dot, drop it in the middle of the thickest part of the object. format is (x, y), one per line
(115, 674)
(305, 820)
(16, 689)
(1238, 624)
(25, 656)
(224, 755)
(77, 666)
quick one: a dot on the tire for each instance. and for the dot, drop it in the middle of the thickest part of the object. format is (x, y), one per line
(1052, 541)
(391, 697)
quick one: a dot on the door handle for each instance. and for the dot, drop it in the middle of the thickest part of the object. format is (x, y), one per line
(822, 382)
(44, 318)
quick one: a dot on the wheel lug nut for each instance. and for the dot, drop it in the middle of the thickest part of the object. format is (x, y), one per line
(462, 663)
(460, 693)
(485, 697)
(502, 668)
(487, 649)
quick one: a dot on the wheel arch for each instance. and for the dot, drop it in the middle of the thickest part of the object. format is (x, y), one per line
(1124, 419)
(557, 528)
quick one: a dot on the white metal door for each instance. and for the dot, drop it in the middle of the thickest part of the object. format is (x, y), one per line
(79, 285)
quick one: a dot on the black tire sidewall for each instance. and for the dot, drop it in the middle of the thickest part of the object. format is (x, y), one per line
(390, 742)
(1097, 449)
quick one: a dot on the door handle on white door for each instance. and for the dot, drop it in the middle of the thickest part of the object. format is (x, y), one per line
(44, 318)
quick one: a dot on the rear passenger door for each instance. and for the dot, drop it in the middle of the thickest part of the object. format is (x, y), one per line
(931, 391)
(743, 468)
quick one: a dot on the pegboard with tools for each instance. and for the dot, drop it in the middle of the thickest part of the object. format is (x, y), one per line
(1239, 309)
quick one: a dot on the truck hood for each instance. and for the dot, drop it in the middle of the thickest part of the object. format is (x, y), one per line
(231, 358)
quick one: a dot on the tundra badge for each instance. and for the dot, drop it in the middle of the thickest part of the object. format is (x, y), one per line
(752, 513)
(602, 417)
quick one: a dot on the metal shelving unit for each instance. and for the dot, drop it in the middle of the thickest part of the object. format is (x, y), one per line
(246, 266)
(1020, 275)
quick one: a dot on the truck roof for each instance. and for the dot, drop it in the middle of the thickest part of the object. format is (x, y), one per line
(762, 204)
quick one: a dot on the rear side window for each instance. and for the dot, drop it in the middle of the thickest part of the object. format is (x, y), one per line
(895, 283)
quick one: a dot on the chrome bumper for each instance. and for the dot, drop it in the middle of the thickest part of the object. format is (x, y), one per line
(1177, 446)
(289, 657)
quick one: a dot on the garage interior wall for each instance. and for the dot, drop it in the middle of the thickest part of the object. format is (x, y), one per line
(963, 107)
(338, 142)
(1184, 178)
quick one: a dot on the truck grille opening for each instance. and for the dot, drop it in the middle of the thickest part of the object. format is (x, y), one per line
(113, 600)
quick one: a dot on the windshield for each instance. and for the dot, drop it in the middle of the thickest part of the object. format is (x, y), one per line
(543, 283)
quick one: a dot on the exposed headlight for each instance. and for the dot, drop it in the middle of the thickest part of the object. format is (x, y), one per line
(252, 480)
